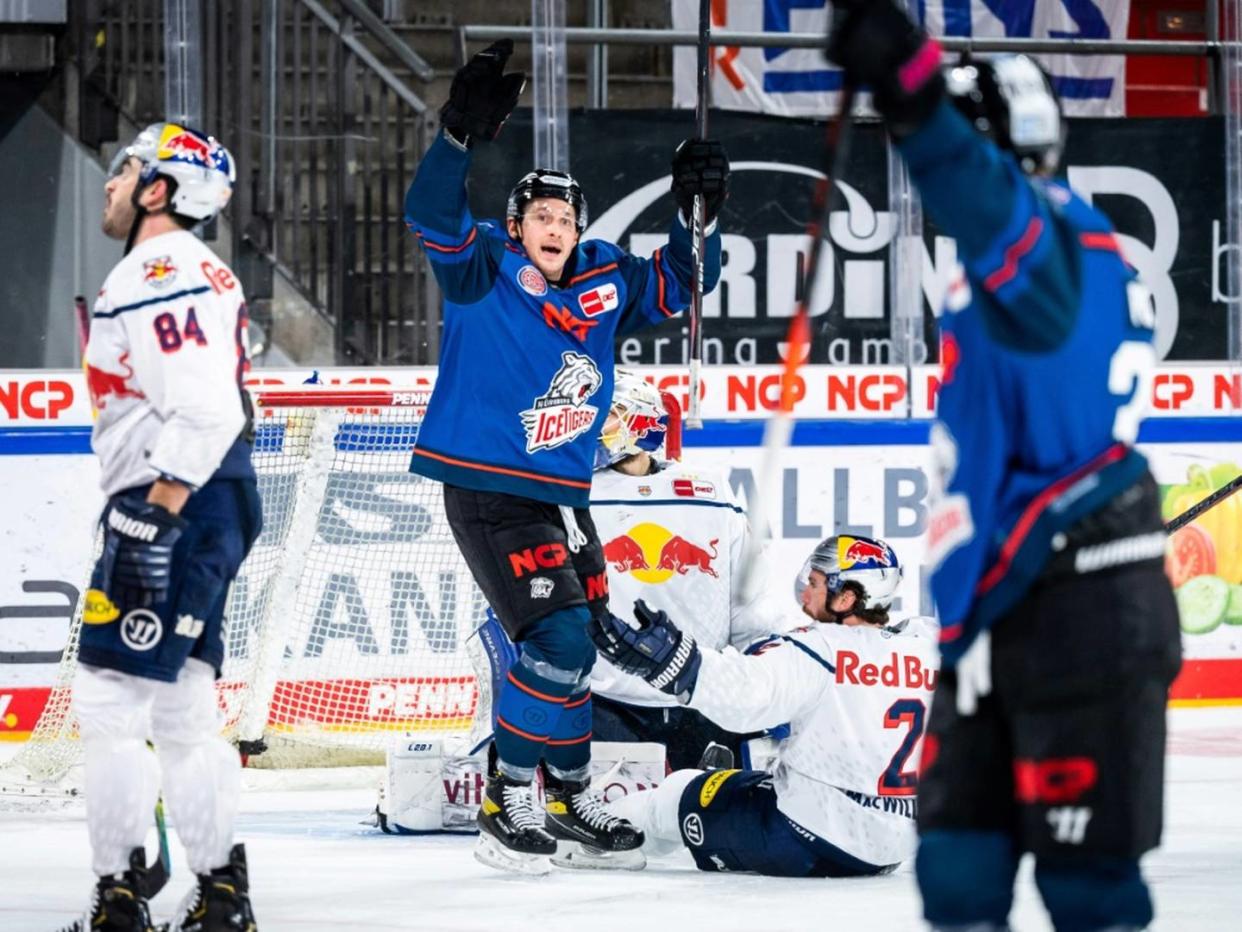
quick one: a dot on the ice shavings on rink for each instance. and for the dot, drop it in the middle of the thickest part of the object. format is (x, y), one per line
(314, 866)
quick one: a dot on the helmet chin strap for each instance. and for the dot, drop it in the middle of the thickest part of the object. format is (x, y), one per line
(141, 212)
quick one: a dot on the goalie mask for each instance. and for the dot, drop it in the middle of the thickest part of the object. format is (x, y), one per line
(1010, 100)
(866, 561)
(636, 422)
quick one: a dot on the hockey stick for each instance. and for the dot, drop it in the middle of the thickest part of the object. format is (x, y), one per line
(698, 228)
(82, 314)
(779, 428)
(1200, 507)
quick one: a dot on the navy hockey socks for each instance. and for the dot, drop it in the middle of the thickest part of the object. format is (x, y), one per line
(531, 702)
(568, 753)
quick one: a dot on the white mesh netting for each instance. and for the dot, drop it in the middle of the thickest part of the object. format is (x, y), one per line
(347, 624)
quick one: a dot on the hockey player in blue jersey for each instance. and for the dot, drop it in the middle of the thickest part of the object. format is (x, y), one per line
(1059, 629)
(525, 379)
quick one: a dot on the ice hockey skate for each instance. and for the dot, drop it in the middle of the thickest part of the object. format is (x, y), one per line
(512, 836)
(219, 902)
(118, 902)
(589, 836)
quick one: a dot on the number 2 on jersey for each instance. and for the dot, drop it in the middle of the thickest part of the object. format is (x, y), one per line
(172, 337)
(896, 780)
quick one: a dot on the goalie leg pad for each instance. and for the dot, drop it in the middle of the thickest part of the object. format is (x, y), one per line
(202, 771)
(121, 776)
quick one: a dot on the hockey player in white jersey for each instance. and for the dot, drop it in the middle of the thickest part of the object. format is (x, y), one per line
(840, 800)
(164, 364)
(673, 536)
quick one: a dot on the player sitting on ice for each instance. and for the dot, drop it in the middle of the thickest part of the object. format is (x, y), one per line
(675, 537)
(841, 798)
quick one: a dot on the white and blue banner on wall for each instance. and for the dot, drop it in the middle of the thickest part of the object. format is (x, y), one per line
(798, 82)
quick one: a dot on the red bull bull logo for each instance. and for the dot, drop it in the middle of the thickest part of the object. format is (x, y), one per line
(104, 385)
(654, 554)
(681, 556)
(861, 553)
(185, 146)
(159, 272)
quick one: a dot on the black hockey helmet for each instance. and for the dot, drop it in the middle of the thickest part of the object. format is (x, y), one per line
(1009, 99)
(544, 182)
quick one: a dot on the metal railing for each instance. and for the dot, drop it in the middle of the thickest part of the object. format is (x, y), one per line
(325, 136)
(812, 40)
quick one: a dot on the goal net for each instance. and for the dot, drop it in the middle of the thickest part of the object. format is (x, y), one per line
(350, 624)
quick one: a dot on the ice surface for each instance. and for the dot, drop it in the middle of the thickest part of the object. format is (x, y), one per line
(315, 867)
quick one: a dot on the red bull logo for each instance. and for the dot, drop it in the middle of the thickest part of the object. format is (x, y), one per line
(861, 553)
(681, 556)
(185, 146)
(159, 272)
(654, 554)
(104, 385)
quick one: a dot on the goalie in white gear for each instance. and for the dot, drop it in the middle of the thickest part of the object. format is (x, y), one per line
(673, 536)
(840, 799)
(164, 364)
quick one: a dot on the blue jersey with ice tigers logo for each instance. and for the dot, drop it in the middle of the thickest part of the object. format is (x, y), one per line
(526, 367)
(1046, 339)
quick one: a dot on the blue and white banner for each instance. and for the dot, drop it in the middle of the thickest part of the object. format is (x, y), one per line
(797, 82)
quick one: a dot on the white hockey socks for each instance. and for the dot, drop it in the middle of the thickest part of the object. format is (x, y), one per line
(202, 771)
(655, 812)
(121, 779)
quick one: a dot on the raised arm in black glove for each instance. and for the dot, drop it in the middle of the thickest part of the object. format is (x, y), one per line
(878, 45)
(482, 95)
(700, 166)
(656, 650)
(136, 566)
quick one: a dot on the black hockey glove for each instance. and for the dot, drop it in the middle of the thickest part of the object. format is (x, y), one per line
(700, 166)
(482, 95)
(137, 555)
(878, 45)
(656, 650)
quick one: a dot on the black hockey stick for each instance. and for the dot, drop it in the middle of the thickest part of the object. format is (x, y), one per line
(1200, 507)
(779, 428)
(698, 227)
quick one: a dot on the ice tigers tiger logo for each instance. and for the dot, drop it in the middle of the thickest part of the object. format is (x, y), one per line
(561, 413)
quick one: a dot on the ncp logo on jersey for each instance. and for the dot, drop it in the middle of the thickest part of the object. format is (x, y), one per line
(141, 629)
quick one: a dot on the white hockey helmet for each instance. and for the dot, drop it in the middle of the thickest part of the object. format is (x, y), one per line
(866, 561)
(200, 170)
(637, 420)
